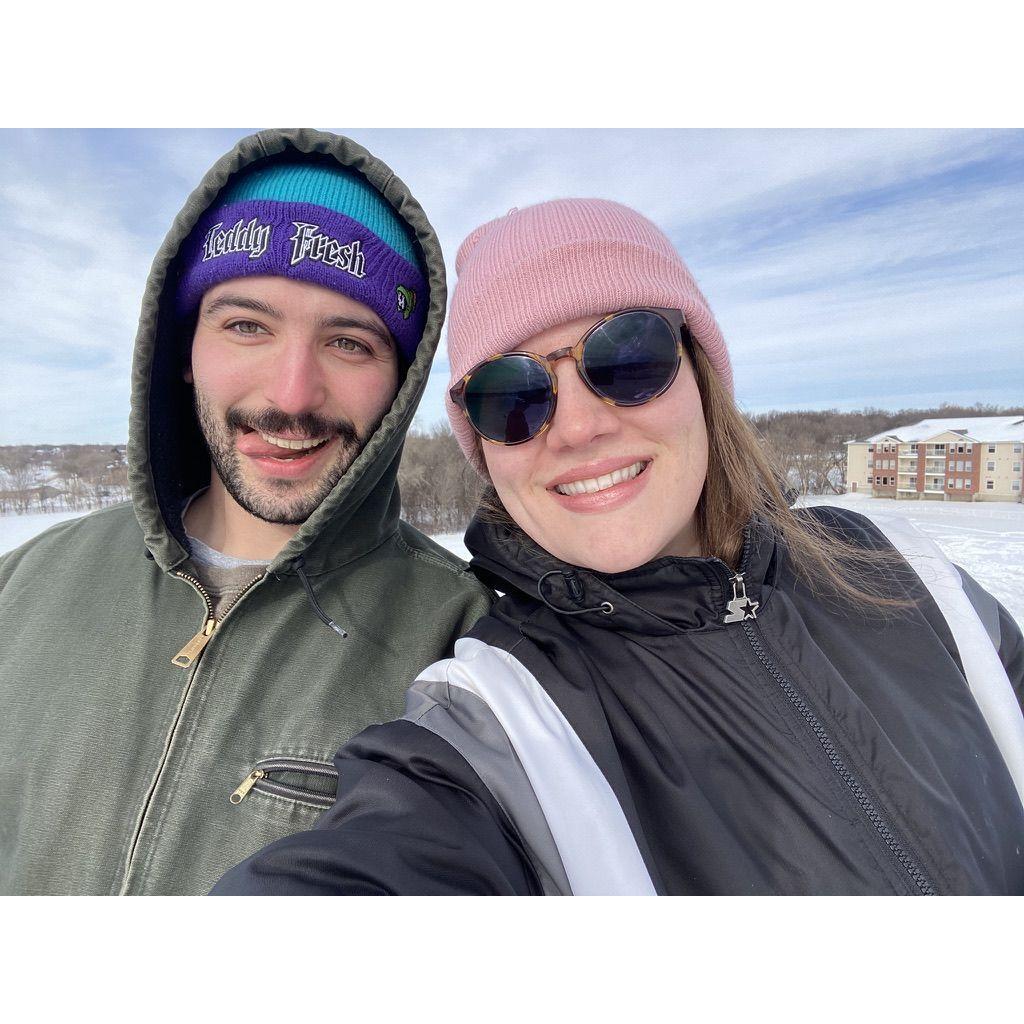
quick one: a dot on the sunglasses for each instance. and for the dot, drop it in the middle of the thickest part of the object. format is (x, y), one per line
(627, 358)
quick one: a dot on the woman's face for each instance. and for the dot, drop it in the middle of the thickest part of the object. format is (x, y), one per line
(611, 524)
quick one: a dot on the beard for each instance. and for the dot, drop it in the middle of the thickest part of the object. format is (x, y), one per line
(286, 502)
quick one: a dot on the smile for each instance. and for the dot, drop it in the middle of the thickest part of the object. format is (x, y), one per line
(294, 444)
(601, 483)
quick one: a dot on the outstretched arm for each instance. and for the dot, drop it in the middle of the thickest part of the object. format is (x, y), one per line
(411, 818)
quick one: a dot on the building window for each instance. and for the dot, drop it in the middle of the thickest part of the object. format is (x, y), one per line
(967, 485)
(990, 465)
(1017, 449)
(991, 449)
(989, 485)
(959, 449)
(949, 485)
(969, 449)
(967, 466)
(1016, 467)
(959, 483)
(959, 465)
(1015, 486)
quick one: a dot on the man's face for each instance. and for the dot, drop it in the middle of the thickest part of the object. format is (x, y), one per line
(290, 379)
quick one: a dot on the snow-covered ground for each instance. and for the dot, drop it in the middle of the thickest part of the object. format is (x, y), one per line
(15, 530)
(986, 538)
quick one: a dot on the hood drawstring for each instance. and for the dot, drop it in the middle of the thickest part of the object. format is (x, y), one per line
(321, 614)
(572, 582)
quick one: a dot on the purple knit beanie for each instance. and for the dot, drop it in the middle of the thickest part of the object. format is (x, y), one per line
(314, 222)
(555, 262)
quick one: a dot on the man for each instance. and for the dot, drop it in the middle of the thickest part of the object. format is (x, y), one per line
(175, 676)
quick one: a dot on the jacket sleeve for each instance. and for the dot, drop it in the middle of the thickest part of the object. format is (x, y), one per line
(1002, 628)
(1011, 651)
(411, 818)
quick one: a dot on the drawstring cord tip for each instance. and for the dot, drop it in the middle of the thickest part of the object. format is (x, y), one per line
(320, 613)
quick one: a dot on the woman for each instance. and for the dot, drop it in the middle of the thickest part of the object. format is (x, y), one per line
(687, 687)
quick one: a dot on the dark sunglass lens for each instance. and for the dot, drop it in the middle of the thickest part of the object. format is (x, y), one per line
(632, 357)
(509, 399)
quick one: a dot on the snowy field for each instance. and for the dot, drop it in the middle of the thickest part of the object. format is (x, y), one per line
(986, 538)
(15, 530)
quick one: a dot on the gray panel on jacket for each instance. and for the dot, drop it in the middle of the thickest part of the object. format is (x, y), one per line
(466, 722)
(984, 604)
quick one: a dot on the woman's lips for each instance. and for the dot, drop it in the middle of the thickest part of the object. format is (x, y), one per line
(608, 499)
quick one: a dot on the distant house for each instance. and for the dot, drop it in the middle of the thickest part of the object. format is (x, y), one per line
(966, 458)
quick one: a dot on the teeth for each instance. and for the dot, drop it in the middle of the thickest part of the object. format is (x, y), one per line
(601, 483)
(292, 443)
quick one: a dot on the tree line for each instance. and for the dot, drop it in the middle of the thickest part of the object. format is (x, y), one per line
(61, 478)
(810, 447)
(439, 489)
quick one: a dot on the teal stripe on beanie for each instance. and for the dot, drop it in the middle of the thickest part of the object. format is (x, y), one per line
(342, 191)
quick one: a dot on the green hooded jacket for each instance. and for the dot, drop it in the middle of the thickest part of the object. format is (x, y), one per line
(122, 772)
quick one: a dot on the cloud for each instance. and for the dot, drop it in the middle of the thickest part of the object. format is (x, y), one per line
(846, 267)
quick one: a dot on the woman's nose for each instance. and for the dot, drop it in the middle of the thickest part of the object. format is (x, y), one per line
(580, 416)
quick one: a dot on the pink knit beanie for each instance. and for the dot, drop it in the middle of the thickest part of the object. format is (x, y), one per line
(559, 261)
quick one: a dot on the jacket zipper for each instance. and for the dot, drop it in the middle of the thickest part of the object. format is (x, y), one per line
(260, 774)
(195, 646)
(739, 609)
(185, 658)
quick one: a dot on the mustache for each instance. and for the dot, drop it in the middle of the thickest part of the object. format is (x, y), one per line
(309, 424)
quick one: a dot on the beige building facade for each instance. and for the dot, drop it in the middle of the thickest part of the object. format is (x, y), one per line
(974, 458)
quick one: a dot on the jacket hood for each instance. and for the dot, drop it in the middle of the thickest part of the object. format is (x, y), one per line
(662, 597)
(167, 457)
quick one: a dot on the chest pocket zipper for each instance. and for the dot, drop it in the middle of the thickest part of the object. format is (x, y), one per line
(313, 782)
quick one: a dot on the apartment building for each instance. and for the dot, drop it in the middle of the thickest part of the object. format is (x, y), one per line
(973, 458)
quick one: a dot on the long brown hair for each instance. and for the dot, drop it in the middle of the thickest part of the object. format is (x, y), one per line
(742, 482)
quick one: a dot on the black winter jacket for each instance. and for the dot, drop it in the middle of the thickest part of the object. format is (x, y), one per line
(614, 734)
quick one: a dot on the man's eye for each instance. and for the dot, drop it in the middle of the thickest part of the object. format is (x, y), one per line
(245, 327)
(352, 346)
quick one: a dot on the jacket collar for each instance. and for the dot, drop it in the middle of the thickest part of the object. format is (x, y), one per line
(666, 596)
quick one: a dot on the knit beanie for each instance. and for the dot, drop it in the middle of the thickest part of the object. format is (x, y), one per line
(311, 222)
(559, 261)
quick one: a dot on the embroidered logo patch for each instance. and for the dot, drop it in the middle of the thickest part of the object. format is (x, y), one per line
(406, 301)
(253, 238)
(309, 244)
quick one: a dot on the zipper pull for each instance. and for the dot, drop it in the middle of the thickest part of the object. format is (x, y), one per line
(250, 780)
(740, 607)
(192, 650)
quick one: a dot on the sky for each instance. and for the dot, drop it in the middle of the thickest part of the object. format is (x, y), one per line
(846, 268)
